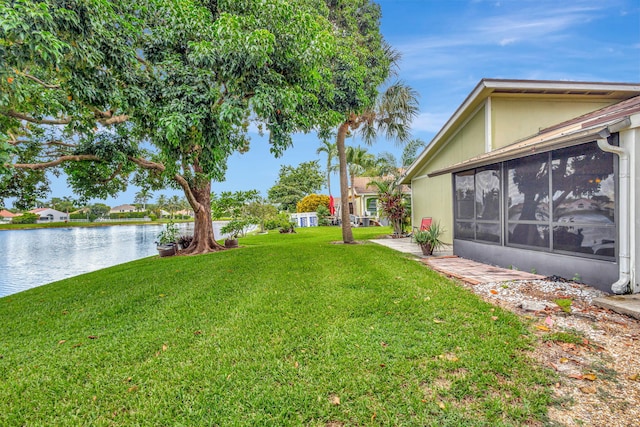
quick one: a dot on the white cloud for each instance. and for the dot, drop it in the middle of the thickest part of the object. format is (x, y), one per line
(507, 41)
(541, 23)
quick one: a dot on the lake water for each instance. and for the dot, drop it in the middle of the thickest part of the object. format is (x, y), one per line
(30, 258)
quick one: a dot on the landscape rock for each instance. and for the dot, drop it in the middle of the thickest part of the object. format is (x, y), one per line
(533, 305)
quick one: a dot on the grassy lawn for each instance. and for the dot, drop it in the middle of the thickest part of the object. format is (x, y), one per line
(287, 330)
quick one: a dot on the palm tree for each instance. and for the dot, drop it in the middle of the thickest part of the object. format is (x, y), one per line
(174, 204)
(330, 148)
(162, 204)
(143, 196)
(385, 164)
(394, 110)
(410, 151)
(358, 161)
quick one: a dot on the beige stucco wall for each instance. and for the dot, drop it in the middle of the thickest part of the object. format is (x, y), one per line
(516, 118)
(360, 207)
(432, 197)
(511, 119)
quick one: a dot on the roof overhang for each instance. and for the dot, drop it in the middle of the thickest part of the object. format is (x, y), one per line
(539, 144)
(489, 87)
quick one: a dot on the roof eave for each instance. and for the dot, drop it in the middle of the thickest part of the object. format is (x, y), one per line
(534, 146)
(487, 86)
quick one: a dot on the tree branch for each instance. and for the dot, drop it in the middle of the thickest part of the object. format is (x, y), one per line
(147, 164)
(187, 192)
(113, 175)
(60, 143)
(113, 120)
(21, 116)
(106, 118)
(56, 162)
(37, 80)
(142, 61)
(13, 140)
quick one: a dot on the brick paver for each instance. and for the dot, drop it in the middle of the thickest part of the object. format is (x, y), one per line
(475, 272)
(464, 269)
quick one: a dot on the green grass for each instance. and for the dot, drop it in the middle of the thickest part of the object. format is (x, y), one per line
(269, 334)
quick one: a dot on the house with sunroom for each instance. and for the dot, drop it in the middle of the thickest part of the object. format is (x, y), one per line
(540, 176)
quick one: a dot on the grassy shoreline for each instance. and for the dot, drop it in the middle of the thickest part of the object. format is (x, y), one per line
(287, 330)
(83, 224)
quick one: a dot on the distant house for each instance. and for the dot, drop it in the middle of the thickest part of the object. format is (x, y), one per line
(539, 175)
(364, 197)
(50, 215)
(186, 212)
(7, 216)
(124, 209)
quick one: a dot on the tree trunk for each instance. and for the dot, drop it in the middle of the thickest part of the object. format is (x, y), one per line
(347, 234)
(203, 240)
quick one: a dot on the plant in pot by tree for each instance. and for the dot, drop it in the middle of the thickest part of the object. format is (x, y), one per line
(167, 240)
(429, 239)
(234, 229)
(184, 241)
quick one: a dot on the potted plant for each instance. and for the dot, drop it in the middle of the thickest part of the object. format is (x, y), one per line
(429, 239)
(184, 241)
(233, 229)
(167, 240)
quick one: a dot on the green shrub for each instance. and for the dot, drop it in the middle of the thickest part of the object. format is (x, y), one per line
(311, 202)
(237, 227)
(123, 215)
(280, 221)
(323, 213)
(25, 218)
(288, 228)
(169, 234)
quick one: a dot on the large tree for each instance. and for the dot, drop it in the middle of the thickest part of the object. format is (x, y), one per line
(363, 64)
(101, 89)
(294, 183)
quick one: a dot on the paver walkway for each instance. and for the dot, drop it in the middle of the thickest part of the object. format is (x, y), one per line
(475, 272)
(469, 271)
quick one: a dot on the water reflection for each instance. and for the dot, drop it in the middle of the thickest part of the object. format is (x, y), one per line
(31, 258)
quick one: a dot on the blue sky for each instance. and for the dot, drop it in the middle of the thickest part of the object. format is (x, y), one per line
(448, 46)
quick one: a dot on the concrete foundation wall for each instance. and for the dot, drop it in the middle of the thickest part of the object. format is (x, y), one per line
(593, 272)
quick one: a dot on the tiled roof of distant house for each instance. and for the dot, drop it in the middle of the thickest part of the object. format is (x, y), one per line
(362, 185)
(6, 214)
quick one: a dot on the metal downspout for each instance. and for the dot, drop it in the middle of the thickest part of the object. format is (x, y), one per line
(622, 285)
